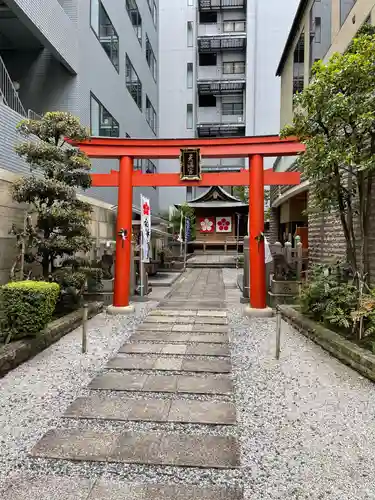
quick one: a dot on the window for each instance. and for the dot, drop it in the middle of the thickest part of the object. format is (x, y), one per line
(189, 116)
(150, 167)
(208, 17)
(189, 70)
(189, 34)
(190, 3)
(234, 67)
(232, 108)
(207, 101)
(150, 58)
(150, 115)
(153, 10)
(102, 122)
(318, 30)
(345, 8)
(299, 65)
(135, 18)
(105, 31)
(133, 83)
(207, 59)
(233, 26)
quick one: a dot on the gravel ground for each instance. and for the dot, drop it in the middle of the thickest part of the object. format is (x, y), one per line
(34, 395)
(307, 422)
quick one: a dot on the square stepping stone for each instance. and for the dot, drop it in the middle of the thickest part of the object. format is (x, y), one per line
(207, 350)
(180, 337)
(208, 320)
(154, 410)
(149, 448)
(164, 363)
(203, 365)
(155, 327)
(204, 385)
(199, 451)
(119, 382)
(210, 328)
(182, 328)
(201, 412)
(186, 384)
(110, 490)
(159, 319)
(76, 444)
(161, 383)
(119, 408)
(48, 488)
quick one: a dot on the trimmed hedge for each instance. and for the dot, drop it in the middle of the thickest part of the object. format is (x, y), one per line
(27, 307)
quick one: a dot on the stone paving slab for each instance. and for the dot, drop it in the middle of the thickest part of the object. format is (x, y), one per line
(213, 338)
(184, 304)
(177, 349)
(106, 490)
(154, 410)
(183, 384)
(205, 320)
(142, 448)
(164, 363)
(50, 488)
(210, 328)
(156, 327)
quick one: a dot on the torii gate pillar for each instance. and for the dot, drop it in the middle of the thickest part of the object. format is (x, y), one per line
(258, 305)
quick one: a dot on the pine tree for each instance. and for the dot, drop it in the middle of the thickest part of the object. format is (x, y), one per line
(60, 219)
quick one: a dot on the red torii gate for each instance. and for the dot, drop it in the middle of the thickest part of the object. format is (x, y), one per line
(255, 148)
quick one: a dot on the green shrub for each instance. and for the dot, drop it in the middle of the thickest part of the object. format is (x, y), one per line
(72, 284)
(27, 307)
(329, 298)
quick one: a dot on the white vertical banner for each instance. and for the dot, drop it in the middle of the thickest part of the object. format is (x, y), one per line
(145, 229)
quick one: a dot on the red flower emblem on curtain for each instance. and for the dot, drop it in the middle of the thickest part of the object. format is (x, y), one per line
(146, 209)
(223, 225)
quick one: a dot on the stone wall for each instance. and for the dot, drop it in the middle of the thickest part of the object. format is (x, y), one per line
(102, 223)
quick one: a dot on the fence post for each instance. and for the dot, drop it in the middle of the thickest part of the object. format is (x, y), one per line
(288, 252)
(278, 331)
(278, 248)
(84, 327)
(299, 257)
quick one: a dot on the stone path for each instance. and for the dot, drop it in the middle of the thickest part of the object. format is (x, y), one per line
(176, 357)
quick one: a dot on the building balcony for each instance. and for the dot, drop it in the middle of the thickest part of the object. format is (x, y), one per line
(223, 164)
(221, 87)
(207, 5)
(222, 43)
(235, 129)
(228, 71)
(230, 27)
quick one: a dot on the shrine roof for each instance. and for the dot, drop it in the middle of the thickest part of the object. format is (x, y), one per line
(216, 197)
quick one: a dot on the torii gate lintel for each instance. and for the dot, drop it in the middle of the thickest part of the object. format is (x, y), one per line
(255, 148)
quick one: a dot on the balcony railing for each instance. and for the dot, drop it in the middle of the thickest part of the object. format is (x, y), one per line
(8, 93)
(221, 4)
(221, 129)
(225, 28)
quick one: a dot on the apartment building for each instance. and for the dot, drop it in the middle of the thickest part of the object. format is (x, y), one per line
(94, 58)
(216, 70)
(320, 28)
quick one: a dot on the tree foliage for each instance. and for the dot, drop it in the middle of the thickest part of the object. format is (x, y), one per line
(187, 212)
(60, 219)
(335, 118)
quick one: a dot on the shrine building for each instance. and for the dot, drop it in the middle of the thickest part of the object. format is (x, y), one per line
(221, 220)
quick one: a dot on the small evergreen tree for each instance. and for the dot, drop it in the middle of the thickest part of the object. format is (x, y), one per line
(60, 219)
